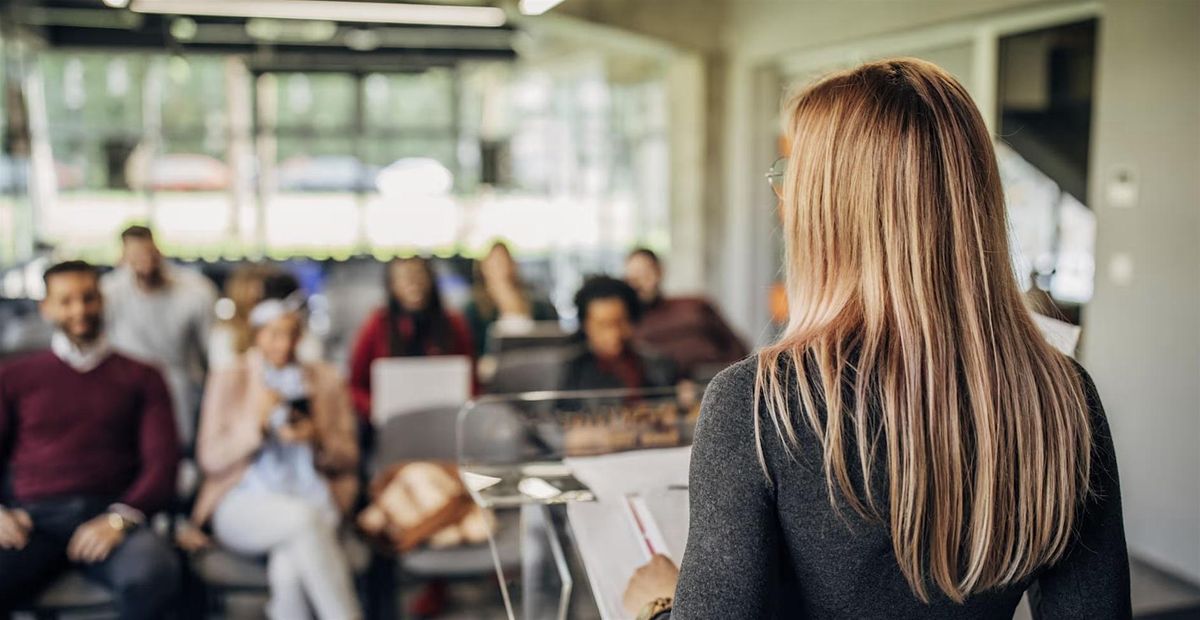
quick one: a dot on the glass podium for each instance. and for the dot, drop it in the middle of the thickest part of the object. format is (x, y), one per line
(594, 482)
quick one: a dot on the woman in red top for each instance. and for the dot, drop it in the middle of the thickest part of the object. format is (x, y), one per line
(412, 324)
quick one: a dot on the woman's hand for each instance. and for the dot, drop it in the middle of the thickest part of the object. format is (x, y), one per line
(656, 579)
(265, 404)
(191, 538)
(300, 431)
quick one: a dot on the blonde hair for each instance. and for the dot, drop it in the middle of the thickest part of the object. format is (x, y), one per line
(908, 338)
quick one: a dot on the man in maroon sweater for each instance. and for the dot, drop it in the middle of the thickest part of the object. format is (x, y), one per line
(686, 330)
(88, 450)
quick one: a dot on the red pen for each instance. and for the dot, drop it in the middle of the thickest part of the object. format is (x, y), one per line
(641, 527)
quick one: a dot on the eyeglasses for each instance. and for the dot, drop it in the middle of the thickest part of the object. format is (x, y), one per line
(775, 175)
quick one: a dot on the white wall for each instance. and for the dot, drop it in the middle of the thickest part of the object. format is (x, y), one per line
(1142, 339)
(763, 30)
(760, 38)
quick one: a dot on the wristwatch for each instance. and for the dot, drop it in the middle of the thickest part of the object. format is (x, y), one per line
(656, 609)
(117, 521)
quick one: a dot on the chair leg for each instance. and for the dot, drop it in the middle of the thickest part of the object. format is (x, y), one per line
(194, 598)
(381, 588)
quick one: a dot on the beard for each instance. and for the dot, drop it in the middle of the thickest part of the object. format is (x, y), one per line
(86, 331)
(152, 278)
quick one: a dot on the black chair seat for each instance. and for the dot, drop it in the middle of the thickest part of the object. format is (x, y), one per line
(223, 569)
(73, 592)
(467, 560)
(530, 370)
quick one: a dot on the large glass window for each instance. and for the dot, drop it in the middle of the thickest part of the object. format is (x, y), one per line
(9, 186)
(96, 110)
(226, 162)
(1046, 87)
(185, 169)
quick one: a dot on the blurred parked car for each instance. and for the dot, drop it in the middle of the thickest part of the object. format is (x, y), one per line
(326, 173)
(14, 171)
(421, 176)
(182, 172)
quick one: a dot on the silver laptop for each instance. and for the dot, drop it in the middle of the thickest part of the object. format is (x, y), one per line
(534, 335)
(402, 385)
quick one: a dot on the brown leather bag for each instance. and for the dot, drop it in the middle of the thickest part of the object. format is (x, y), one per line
(419, 502)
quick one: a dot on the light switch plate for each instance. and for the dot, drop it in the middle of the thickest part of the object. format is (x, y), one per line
(1120, 269)
(1121, 187)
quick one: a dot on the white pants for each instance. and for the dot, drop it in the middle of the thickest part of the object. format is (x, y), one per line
(305, 563)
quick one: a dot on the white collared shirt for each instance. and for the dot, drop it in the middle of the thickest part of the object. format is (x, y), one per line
(82, 360)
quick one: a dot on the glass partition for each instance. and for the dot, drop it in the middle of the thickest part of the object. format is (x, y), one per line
(599, 480)
(519, 449)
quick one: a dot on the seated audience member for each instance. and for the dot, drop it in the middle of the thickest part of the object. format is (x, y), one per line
(277, 447)
(499, 297)
(246, 286)
(88, 450)
(161, 315)
(608, 313)
(413, 323)
(688, 330)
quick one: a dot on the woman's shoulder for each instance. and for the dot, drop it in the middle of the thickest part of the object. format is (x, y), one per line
(736, 379)
(324, 376)
(322, 369)
(1085, 380)
(457, 319)
(378, 314)
(375, 320)
(729, 397)
(228, 377)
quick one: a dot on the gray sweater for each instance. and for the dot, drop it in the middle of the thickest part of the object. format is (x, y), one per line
(760, 549)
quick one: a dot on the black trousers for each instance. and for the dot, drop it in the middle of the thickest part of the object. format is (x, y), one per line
(142, 572)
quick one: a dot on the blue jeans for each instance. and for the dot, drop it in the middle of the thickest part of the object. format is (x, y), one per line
(142, 572)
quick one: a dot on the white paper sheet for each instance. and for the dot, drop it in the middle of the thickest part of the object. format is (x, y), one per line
(1061, 335)
(612, 476)
(608, 541)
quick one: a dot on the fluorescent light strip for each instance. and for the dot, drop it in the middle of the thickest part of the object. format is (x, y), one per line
(372, 12)
(537, 7)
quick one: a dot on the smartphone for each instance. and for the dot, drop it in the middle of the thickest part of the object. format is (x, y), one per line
(300, 408)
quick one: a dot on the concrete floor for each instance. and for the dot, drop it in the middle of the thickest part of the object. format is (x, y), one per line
(1156, 596)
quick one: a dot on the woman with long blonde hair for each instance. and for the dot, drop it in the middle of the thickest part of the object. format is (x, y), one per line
(911, 447)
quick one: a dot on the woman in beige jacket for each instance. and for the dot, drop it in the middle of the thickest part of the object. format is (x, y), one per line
(279, 454)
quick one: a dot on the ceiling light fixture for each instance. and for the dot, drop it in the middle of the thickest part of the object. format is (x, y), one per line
(116, 4)
(184, 28)
(340, 11)
(280, 31)
(362, 40)
(537, 7)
